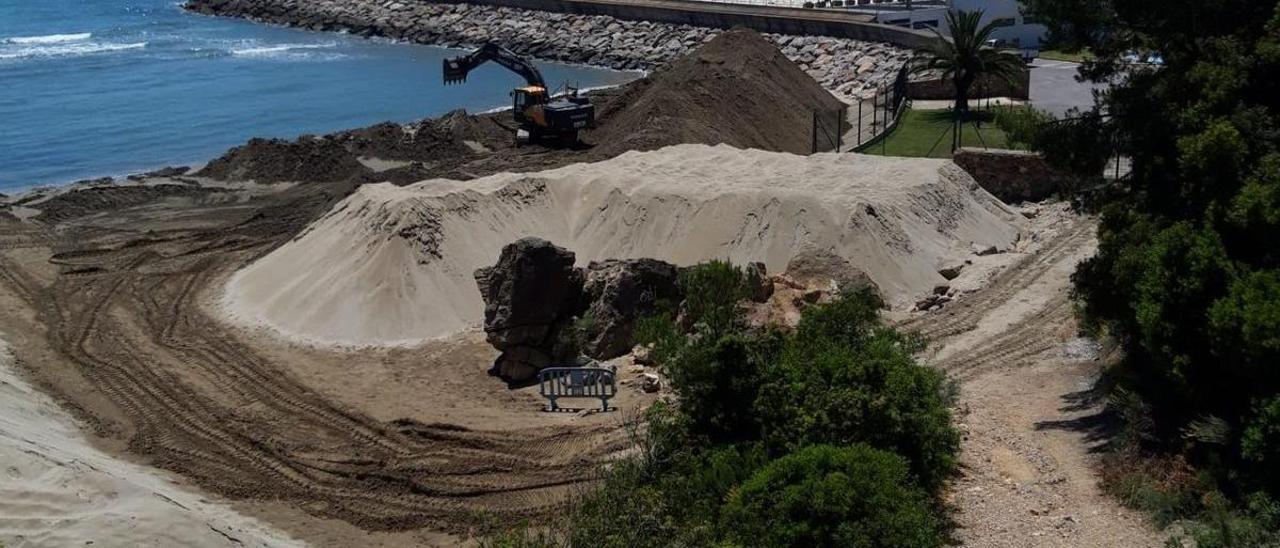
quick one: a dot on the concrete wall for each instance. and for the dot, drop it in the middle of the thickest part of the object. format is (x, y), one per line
(780, 20)
(1011, 175)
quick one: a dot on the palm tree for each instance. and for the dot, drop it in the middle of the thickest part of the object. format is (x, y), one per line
(965, 57)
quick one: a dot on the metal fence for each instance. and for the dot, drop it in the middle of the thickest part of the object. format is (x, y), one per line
(877, 114)
(577, 382)
(828, 130)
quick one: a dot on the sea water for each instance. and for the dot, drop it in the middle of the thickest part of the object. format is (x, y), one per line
(92, 88)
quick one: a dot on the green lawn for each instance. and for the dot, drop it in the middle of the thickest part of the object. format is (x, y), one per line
(927, 133)
(1059, 55)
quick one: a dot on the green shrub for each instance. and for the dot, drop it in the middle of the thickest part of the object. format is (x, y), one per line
(713, 291)
(1022, 125)
(718, 381)
(698, 485)
(748, 396)
(1223, 525)
(854, 496)
(625, 511)
(843, 380)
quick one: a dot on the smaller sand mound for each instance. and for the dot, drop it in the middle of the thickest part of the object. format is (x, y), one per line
(336, 157)
(737, 89)
(311, 159)
(394, 265)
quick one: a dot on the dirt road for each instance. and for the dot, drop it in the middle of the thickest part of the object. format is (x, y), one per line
(111, 313)
(1027, 472)
(111, 317)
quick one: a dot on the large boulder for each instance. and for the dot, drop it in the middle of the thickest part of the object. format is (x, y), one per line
(822, 269)
(531, 298)
(620, 292)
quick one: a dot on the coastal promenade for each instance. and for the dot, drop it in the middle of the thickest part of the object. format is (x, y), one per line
(762, 18)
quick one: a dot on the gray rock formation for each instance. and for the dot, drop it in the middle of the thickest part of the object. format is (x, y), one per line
(758, 280)
(620, 292)
(531, 297)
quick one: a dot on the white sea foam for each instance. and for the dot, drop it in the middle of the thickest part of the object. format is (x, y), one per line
(66, 49)
(49, 38)
(281, 50)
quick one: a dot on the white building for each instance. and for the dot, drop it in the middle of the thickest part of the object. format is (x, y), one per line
(1015, 29)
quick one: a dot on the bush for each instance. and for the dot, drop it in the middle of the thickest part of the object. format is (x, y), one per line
(832, 402)
(854, 496)
(625, 511)
(713, 291)
(843, 380)
(1022, 125)
(717, 382)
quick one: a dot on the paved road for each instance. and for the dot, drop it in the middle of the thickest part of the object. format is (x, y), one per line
(1054, 87)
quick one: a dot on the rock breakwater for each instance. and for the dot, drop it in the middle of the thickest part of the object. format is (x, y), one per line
(848, 68)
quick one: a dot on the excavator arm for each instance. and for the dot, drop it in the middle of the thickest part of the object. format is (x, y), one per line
(456, 69)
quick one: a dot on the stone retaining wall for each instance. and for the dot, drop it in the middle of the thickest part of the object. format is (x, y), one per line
(929, 87)
(1011, 175)
(849, 68)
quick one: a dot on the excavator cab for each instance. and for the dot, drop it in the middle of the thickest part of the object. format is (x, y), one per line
(534, 109)
(524, 101)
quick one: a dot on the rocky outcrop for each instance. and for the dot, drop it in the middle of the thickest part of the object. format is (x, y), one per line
(822, 269)
(846, 67)
(621, 292)
(541, 311)
(531, 298)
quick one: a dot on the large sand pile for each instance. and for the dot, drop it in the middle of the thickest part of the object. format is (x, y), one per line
(737, 89)
(394, 265)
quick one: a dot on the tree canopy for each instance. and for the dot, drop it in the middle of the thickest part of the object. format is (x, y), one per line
(1187, 275)
(964, 57)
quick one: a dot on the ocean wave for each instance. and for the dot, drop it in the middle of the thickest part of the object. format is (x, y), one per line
(66, 50)
(279, 50)
(49, 38)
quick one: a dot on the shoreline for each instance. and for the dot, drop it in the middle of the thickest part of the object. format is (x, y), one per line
(846, 67)
(864, 58)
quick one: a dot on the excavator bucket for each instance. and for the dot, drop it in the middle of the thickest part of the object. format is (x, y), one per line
(454, 72)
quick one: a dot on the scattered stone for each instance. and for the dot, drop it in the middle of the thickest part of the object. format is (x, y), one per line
(785, 281)
(941, 289)
(650, 382)
(99, 182)
(952, 271)
(934, 301)
(1030, 212)
(642, 354)
(982, 251)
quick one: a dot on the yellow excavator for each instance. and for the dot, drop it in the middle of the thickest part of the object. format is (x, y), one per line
(538, 113)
